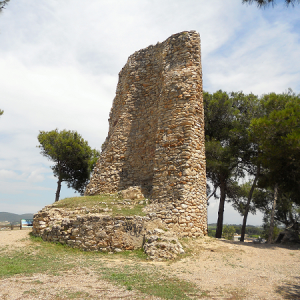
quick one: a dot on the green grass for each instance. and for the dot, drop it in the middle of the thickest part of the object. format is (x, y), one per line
(67, 294)
(150, 280)
(33, 259)
(87, 201)
(254, 236)
(127, 268)
(30, 292)
(22, 262)
(138, 253)
(134, 210)
(100, 203)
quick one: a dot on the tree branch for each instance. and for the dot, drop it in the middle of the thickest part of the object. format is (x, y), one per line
(214, 191)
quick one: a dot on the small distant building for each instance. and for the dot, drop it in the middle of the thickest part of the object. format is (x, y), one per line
(236, 237)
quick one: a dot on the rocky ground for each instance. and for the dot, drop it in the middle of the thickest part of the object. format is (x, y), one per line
(221, 269)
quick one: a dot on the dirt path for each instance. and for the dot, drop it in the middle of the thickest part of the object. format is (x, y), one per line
(221, 269)
(14, 238)
(76, 284)
(80, 283)
(245, 270)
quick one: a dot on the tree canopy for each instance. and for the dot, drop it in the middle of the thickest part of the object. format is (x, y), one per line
(227, 145)
(258, 138)
(2, 4)
(278, 133)
(1, 112)
(73, 158)
(264, 3)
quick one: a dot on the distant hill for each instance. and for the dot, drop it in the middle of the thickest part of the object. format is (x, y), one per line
(12, 218)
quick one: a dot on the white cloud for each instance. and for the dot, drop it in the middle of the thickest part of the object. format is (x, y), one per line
(263, 60)
(59, 64)
(44, 98)
(37, 175)
(7, 174)
(19, 187)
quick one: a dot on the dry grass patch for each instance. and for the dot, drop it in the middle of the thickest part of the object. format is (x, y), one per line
(112, 204)
(128, 269)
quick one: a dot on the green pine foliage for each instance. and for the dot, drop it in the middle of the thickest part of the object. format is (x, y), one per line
(228, 232)
(73, 158)
(264, 3)
(278, 135)
(3, 4)
(229, 151)
(258, 138)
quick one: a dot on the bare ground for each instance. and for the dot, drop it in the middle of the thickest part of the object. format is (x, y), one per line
(221, 269)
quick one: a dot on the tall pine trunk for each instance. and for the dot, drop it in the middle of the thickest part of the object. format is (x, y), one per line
(57, 194)
(221, 210)
(270, 237)
(248, 205)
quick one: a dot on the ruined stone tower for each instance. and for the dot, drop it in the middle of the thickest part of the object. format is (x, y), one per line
(156, 133)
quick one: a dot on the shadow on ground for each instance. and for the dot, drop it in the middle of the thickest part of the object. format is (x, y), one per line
(290, 246)
(290, 290)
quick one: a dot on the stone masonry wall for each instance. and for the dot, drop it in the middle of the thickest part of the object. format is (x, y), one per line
(105, 233)
(92, 232)
(156, 133)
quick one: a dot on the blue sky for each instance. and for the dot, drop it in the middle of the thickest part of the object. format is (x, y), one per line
(59, 65)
